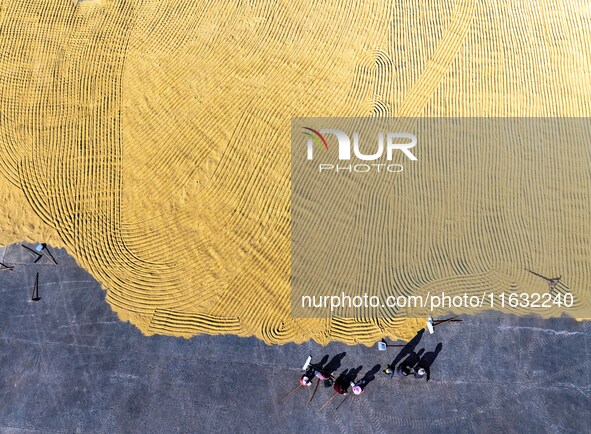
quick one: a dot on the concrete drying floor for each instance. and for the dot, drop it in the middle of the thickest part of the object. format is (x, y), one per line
(67, 364)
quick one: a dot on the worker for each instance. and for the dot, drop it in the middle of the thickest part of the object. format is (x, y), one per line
(359, 387)
(404, 370)
(340, 386)
(306, 380)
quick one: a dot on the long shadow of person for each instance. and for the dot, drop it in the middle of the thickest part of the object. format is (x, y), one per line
(335, 363)
(320, 365)
(349, 375)
(369, 376)
(405, 351)
(413, 359)
(428, 359)
(345, 378)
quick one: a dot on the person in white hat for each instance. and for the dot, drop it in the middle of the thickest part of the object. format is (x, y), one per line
(305, 380)
(314, 371)
(420, 373)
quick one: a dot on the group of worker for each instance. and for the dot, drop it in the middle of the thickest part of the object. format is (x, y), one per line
(340, 385)
(406, 370)
(407, 363)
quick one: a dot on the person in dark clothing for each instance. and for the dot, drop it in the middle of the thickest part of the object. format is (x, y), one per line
(428, 359)
(407, 350)
(404, 370)
(420, 373)
(341, 385)
(307, 377)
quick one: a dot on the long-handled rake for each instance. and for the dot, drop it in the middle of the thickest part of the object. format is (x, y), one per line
(50, 254)
(328, 402)
(314, 392)
(383, 345)
(342, 402)
(298, 387)
(431, 323)
(33, 252)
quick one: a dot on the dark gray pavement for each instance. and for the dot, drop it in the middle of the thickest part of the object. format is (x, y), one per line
(67, 364)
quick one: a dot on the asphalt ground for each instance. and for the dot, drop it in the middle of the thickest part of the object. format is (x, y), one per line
(68, 364)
